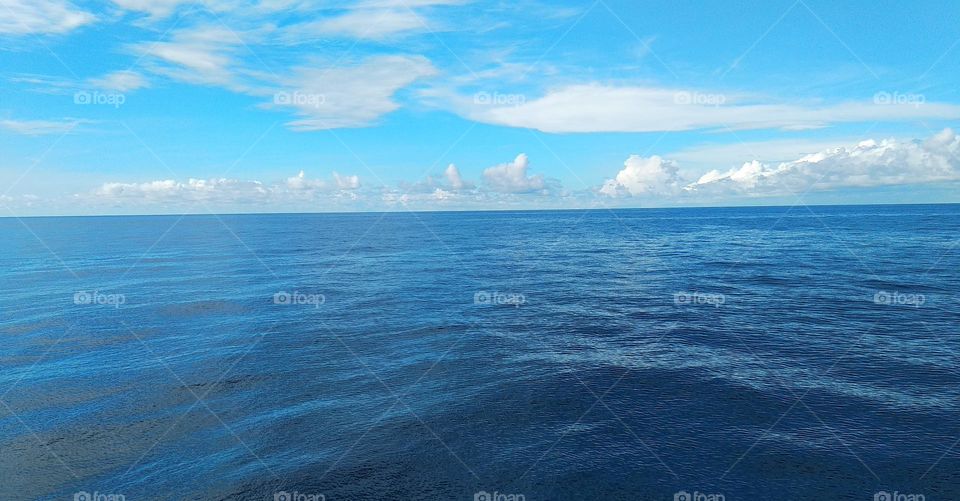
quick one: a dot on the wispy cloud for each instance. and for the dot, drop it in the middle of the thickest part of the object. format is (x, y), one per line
(121, 81)
(348, 96)
(604, 108)
(28, 17)
(40, 127)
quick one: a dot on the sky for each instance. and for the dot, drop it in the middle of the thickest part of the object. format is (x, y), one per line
(170, 106)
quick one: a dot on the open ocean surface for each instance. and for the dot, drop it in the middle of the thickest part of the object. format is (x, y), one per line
(755, 353)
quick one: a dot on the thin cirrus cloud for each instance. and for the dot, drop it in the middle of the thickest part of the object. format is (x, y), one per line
(204, 55)
(40, 17)
(121, 81)
(605, 108)
(374, 24)
(322, 95)
(40, 127)
(348, 96)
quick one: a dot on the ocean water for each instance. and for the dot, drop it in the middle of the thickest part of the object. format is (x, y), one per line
(749, 353)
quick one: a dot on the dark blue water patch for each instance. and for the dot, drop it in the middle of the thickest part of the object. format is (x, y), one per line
(794, 378)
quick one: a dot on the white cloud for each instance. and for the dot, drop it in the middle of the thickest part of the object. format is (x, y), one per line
(321, 94)
(159, 9)
(26, 17)
(455, 179)
(868, 164)
(339, 182)
(512, 177)
(121, 81)
(194, 190)
(776, 150)
(349, 96)
(602, 108)
(205, 55)
(346, 182)
(301, 182)
(644, 176)
(39, 127)
(228, 191)
(376, 24)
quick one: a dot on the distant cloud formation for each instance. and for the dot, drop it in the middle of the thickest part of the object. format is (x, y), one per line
(224, 191)
(194, 190)
(644, 176)
(654, 180)
(511, 177)
(455, 179)
(870, 163)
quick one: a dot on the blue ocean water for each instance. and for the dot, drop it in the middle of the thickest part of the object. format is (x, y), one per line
(751, 353)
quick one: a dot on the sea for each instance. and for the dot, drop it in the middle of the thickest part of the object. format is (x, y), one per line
(698, 354)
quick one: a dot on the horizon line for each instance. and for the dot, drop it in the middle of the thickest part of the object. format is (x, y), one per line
(459, 211)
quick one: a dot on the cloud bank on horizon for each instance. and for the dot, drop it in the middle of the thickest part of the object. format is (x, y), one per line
(133, 106)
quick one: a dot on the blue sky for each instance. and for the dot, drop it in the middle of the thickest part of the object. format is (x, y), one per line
(167, 106)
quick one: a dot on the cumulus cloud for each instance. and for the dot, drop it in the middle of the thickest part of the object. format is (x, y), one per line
(194, 190)
(455, 179)
(870, 163)
(346, 182)
(29, 17)
(604, 108)
(339, 182)
(644, 176)
(449, 187)
(511, 177)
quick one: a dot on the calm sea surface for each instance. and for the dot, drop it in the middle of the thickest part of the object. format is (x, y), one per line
(753, 353)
